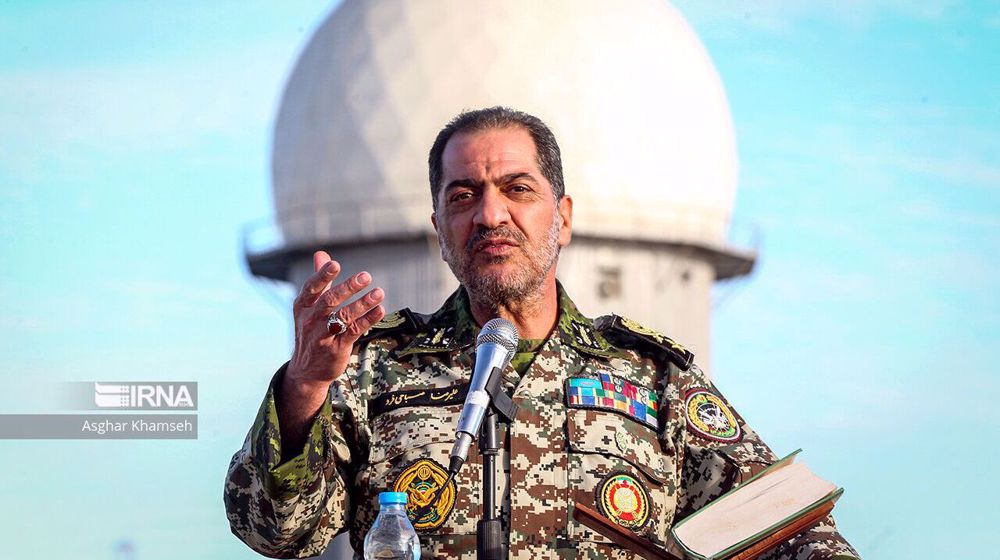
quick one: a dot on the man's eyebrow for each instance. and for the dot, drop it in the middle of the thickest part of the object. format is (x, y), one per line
(520, 176)
(505, 179)
(468, 183)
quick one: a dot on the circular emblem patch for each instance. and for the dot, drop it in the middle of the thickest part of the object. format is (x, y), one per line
(708, 416)
(623, 499)
(420, 481)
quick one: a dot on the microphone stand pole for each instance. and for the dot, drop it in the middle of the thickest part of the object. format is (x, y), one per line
(489, 532)
(490, 542)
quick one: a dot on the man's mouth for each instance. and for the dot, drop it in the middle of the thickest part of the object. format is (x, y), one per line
(494, 247)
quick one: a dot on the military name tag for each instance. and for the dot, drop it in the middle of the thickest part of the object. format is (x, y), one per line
(612, 393)
(443, 396)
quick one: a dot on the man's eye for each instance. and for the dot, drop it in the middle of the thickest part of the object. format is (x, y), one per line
(460, 196)
(519, 188)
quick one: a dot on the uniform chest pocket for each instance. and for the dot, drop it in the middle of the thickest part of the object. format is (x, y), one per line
(400, 431)
(619, 467)
(409, 453)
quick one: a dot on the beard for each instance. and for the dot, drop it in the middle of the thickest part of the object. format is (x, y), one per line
(511, 288)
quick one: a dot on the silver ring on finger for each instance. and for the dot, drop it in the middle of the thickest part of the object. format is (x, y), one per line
(335, 325)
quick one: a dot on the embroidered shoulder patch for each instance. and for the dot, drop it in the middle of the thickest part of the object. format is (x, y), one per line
(612, 393)
(583, 336)
(436, 339)
(624, 500)
(442, 396)
(396, 321)
(709, 416)
(629, 329)
(390, 321)
(421, 480)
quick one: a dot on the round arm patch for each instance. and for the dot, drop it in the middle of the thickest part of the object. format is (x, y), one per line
(709, 417)
(624, 500)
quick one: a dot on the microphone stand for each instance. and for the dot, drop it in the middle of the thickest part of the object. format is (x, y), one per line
(490, 544)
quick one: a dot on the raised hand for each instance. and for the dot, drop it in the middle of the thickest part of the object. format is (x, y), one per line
(321, 353)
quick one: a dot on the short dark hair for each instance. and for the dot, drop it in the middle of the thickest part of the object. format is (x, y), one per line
(546, 148)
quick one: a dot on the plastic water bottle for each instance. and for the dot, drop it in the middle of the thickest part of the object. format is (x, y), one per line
(392, 536)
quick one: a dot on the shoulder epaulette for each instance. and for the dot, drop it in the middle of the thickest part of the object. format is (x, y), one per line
(627, 329)
(399, 321)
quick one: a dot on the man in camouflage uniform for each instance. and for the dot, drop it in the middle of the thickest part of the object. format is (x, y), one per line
(610, 414)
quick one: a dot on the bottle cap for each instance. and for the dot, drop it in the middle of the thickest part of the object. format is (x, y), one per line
(391, 498)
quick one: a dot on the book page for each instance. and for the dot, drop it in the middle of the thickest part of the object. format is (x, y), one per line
(753, 508)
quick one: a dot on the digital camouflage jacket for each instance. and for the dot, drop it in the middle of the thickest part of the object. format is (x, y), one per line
(610, 414)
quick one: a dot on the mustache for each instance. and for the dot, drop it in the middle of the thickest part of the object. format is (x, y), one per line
(503, 233)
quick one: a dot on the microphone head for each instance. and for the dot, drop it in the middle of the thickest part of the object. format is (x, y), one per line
(499, 331)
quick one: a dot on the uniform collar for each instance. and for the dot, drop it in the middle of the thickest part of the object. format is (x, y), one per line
(577, 330)
(452, 327)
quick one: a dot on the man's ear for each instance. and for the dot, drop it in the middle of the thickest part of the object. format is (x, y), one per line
(566, 217)
(434, 222)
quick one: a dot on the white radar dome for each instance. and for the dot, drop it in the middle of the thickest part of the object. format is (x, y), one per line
(627, 87)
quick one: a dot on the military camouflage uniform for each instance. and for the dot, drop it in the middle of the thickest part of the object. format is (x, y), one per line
(395, 411)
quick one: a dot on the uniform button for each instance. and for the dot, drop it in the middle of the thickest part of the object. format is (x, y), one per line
(621, 440)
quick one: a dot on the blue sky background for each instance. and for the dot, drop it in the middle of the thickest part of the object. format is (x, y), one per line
(134, 144)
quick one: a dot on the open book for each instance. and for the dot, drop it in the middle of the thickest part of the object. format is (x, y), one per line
(777, 503)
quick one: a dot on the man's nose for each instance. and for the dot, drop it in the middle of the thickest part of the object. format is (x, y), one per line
(492, 211)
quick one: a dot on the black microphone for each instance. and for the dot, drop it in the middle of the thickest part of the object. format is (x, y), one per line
(495, 348)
